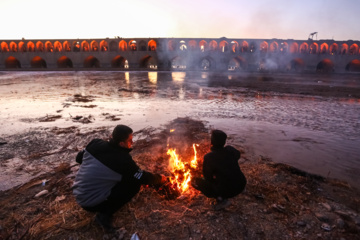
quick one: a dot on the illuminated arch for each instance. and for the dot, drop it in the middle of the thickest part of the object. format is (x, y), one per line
(104, 47)
(304, 48)
(274, 47)
(12, 62)
(284, 46)
(57, 46)
(122, 46)
(31, 46)
(113, 46)
(264, 47)
(237, 63)
(192, 45)
(142, 45)
(76, 46)
(313, 49)
(344, 48)
(353, 66)
(66, 46)
(213, 45)
(244, 47)
(334, 48)
(91, 62)
(171, 45)
(224, 46)
(118, 62)
(152, 45)
(13, 47)
(294, 47)
(203, 45)
(38, 62)
(182, 46)
(64, 62)
(49, 47)
(148, 62)
(40, 46)
(234, 46)
(324, 48)
(85, 47)
(133, 45)
(297, 65)
(94, 46)
(4, 47)
(354, 49)
(325, 65)
(22, 46)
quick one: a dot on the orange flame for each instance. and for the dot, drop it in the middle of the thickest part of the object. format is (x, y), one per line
(181, 170)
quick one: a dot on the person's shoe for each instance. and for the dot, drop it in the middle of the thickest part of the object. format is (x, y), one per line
(105, 220)
(222, 204)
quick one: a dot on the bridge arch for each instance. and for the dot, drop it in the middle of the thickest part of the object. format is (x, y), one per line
(113, 46)
(234, 46)
(57, 46)
(183, 46)
(142, 45)
(324, 48)
(325, 65)
(344, 49)
(207, 63)
(313, 48)
(148, 62)
(297, 65)
(133, 45)
(118, 62)
(122, 46)
(91, 62)
(49, 47)
(304, 48)
(104, 46)
(192, 45)
(178, 63)
(264, 47)
(85, 46)
(66, 46)
(334, 48)
(152, 45)
(4, 47)
(237, 63)
(94, 46)
(12, 62)
(213, 45)
(64, 62)
(39, 46)
(253, 47)
(76, 46)
(294, 47)
(13, 47)
(203, 45)
(30, 46)
(38, 62)
(354, 49)
(244, 47)
(224, 46)
(353, 66)
(284, 46)
(22, 47)
(274, 47)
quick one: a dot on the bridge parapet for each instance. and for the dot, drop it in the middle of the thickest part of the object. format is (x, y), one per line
(221, 54)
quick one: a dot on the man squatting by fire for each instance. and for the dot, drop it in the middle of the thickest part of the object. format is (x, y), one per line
(108, 177)
(223, 178)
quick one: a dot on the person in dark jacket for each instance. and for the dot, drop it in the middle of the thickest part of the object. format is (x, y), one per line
(108, 177)
(223, 178)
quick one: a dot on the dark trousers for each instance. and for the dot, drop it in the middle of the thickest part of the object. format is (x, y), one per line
(213, 190)
(121, 194)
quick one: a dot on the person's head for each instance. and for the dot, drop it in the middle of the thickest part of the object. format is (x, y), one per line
(218, 138)
(122, 136)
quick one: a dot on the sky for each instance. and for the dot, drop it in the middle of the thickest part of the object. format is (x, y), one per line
(260, 19)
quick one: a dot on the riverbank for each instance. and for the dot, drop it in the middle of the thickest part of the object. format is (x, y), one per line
(280, 201)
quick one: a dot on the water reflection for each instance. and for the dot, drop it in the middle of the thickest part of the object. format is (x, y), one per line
(178, 76)
(127, 77)
(152, 77)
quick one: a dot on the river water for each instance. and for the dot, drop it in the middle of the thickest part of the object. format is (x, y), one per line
(320, 135)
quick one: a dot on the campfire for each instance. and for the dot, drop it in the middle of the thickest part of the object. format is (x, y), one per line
(182, 171)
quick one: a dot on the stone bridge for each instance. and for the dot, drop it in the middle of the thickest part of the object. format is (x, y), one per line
(181, 54)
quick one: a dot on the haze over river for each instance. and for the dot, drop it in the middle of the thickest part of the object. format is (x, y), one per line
(320, 135)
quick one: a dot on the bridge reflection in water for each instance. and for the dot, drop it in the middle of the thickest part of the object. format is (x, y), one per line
(156, 54)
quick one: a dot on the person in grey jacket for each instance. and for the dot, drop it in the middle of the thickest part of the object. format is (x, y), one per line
(223, 178)
(108, 177)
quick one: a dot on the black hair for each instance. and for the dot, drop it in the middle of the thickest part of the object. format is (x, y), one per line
(218, 138)
(120, 134)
